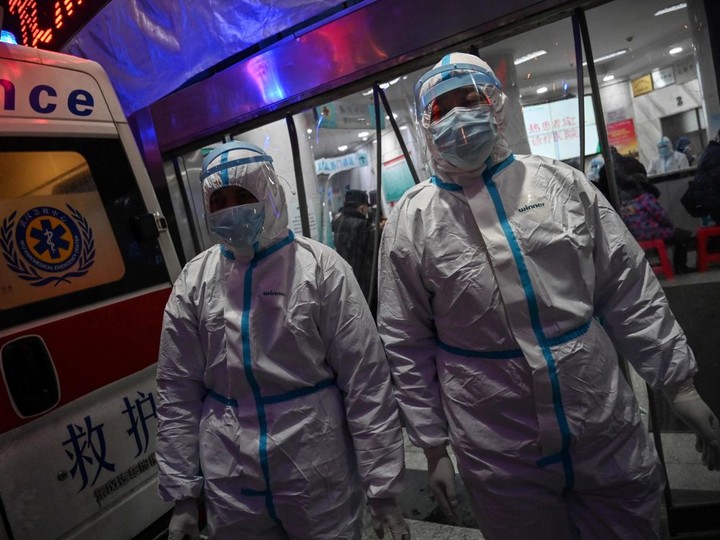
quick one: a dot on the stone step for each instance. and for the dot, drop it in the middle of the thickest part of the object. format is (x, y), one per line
(423, 530)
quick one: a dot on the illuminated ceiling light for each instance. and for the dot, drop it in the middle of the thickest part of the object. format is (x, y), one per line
(542, 90)
(394, 80)
(384, 85)
(675, 50)
(367, 93)
(363, 134)
(309, 131)
(670, 9)
(608, 78)
(342, 148)
(364, 139)
(609, 56)
(529, 56)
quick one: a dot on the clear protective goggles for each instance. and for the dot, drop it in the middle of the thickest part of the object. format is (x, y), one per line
(459, 85)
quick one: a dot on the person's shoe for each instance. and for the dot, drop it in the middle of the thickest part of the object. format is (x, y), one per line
(685, 270)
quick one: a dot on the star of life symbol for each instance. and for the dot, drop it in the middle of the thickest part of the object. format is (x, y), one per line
(45, 245)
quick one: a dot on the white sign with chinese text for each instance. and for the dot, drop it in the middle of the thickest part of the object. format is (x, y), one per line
(553, 129)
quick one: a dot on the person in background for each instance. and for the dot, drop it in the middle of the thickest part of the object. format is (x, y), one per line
(494, 275)
(668, 159)
(274, 396)
(353, 236)
(648, 220)
(625, 165)
(683, 145)
(702, 197)
(594, 172)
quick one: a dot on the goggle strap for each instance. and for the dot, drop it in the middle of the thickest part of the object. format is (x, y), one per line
(442, 71)
(233, 145)
(235, 163)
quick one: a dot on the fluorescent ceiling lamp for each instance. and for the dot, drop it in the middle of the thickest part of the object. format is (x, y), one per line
(542, 90)
(675, 50)
(363, 134)
(342, 148)
(529, 56)
(670, 9)
(609, 56)
(607, 78)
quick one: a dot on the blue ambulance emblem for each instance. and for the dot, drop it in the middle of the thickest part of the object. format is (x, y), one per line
(46, 245)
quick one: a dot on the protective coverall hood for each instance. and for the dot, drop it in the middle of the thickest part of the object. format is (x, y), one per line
(245, 165)
(454, 71)
(595, 165)
(665, 147)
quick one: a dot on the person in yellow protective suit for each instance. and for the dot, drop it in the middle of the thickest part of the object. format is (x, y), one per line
(274, 396)
(506, 284)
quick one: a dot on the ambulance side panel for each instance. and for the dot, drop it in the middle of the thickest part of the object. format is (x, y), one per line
(84, 276)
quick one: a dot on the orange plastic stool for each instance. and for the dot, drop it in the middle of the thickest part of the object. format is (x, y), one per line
(704, 258)
(663, 266)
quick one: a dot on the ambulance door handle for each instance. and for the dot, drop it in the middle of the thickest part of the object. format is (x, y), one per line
(149, 226)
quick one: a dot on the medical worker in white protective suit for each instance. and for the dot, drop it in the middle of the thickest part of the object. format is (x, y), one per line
(668, 159)
(493, 276)
(274, 391)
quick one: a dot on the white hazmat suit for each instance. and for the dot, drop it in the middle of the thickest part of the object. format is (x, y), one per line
(505, 290)
(668, 159)
(274, 391)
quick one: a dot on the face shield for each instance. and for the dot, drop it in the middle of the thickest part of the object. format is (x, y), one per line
(454, 107)
(449, 86)
(252, 216)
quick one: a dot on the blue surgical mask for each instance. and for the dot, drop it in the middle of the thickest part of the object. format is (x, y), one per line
(665, 151)
(239, 226)
(465, 137)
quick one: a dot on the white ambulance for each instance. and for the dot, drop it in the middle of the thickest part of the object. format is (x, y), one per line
(86, 266)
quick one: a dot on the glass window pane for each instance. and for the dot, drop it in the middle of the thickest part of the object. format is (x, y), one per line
(651, 86)
(56, 236)
(67, 213)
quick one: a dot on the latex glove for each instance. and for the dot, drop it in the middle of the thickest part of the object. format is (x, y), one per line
(442, 481)
(691, 409)
(184, 521)
(385, 513)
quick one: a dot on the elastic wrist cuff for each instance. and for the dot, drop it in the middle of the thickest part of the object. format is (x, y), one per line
(435, 453)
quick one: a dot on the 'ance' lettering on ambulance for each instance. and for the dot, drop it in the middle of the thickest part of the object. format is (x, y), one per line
(42, 99)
